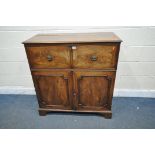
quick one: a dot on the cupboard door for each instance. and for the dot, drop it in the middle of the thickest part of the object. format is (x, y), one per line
(93, 90)
(53, 89)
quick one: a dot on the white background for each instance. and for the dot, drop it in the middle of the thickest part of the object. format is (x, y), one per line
(75, 13)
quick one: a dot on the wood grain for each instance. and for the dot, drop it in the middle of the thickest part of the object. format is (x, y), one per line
(105, 54)
(94, 89)
(38, 56)
(74, 77)
(53, 89)
(74, 38)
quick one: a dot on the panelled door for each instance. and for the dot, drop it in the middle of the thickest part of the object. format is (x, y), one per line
(93, 90)
(75, 90)
(53, 89)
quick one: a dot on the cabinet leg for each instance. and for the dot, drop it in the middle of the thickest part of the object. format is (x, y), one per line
(42, 113)
(107, 115)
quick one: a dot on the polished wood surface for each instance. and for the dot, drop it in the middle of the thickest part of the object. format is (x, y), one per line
(49, 56)
(74, 38)
(74, 77)
(84, 56)
(53, 89)
(94, 90)
(96, 56)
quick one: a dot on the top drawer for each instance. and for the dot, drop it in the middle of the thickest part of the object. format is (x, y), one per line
(48, 56)
(78, 56)
(95, 56)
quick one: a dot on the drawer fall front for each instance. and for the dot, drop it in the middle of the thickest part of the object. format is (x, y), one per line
(79, 56)
(73, 77)
(48, 56)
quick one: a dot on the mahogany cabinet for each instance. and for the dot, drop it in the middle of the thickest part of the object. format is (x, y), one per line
(74, 72)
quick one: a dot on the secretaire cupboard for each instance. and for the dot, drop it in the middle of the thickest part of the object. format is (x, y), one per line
(74, 72)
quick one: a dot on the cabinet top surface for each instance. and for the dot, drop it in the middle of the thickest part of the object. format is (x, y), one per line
(74, 38)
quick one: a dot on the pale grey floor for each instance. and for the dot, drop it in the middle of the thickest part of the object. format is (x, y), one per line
(20, 112)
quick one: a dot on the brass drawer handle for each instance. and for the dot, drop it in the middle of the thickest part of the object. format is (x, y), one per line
(49, 57)
(93, 58)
